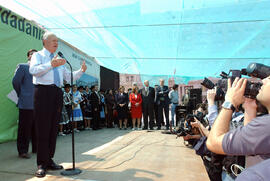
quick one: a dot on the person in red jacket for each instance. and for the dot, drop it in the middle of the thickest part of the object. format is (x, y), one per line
(135, 99)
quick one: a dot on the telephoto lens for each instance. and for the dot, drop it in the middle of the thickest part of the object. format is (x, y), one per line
(208, 83)
(258, 70)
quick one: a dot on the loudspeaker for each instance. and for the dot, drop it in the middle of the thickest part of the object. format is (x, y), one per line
(195, 97)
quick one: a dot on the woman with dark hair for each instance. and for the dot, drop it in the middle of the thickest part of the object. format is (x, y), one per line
(110, 103)
(135, 99)
(121, 100)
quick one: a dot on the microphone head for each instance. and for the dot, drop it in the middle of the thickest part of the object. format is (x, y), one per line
(60, 54)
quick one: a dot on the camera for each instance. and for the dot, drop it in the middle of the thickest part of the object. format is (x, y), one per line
(252, 88)
(220, 94)
(187, 129)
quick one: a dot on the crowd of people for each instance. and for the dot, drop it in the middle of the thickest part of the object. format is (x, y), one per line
(93, 109)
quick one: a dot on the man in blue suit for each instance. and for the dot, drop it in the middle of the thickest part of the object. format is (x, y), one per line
(23, 84)
(162, 101)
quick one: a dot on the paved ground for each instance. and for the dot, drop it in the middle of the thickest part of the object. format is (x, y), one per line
(112, 155)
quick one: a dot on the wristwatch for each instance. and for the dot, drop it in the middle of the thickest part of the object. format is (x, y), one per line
(228, 105)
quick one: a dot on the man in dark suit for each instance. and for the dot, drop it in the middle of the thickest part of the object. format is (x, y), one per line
(156, 108)
(148, 100)
(163, 101)
(95, 105)
(23, 84)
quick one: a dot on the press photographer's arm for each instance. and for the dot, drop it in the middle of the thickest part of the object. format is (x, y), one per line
(234, 95)
(251, 139)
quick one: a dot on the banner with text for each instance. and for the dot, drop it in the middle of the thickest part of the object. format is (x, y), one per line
(17, 36)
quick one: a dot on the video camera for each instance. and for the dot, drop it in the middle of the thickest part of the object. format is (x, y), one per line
(187, 129)
(252, 88)
(220, 94)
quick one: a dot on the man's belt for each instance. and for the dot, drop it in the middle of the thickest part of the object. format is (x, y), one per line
(50, 85)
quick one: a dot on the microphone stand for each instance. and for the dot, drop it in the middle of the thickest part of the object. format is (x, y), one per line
(73, 170)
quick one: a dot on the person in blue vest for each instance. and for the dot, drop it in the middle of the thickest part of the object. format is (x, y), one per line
(23, 85)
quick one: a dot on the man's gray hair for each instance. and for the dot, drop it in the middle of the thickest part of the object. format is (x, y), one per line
(47, 34)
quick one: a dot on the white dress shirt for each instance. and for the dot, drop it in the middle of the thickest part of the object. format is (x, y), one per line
(42, 70)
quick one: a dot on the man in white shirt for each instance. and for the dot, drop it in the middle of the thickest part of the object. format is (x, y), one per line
(48, 74)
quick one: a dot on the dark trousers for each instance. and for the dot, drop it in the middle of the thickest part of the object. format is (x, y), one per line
(48, 101)
(26, 131)
(148, 111)
(156, 113)
(214, 172)
(163, 106)
(96, 119)
(69, 110)
(109, 117)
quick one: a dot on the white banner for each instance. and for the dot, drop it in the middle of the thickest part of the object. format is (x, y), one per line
(75, 57)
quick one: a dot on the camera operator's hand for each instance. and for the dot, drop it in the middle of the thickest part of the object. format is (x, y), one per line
(187, 137)
(195, 124)
(211, 93)
(235, 92)
(250, 107)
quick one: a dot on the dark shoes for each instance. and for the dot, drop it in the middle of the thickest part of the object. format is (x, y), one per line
(54, 166)
(145, 128)
(24, 155)
(41, 172)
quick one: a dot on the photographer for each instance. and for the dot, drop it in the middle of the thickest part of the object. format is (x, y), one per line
(190, 134)
(211, 116)
(217, 166)
(251, 139)
(212, 108)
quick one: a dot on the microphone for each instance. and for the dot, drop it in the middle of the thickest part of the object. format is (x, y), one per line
(62, 56)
